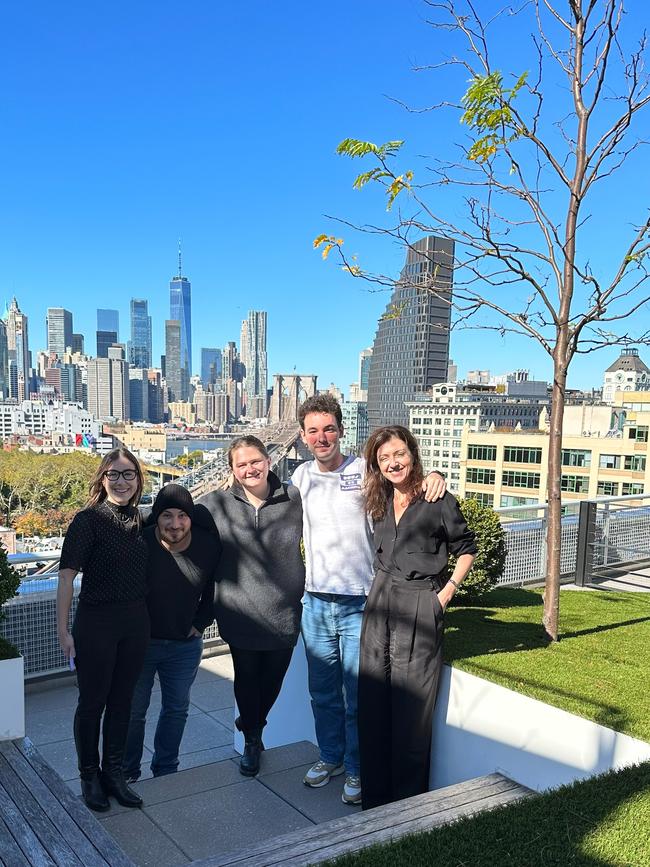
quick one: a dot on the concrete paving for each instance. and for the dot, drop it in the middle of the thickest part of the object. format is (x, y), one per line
(208, 807)
(620, 580)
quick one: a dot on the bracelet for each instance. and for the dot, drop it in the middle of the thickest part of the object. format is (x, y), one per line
(455, 583)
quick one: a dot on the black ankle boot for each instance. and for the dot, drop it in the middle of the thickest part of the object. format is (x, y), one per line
(112, 775)
(114, 784)
(86, 739)
(249, 763)
(93, 794)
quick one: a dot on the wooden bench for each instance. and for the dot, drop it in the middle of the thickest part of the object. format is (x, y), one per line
(41, 822)
(381, 825)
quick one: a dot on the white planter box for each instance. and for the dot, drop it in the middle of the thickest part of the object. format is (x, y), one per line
(12, 703)
(479, 728)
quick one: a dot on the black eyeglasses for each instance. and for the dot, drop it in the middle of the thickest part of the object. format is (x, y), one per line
(127, 475)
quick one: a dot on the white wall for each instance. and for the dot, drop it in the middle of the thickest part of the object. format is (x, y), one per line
(478, 728)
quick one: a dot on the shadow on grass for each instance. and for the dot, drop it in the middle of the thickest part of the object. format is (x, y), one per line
(604, 628)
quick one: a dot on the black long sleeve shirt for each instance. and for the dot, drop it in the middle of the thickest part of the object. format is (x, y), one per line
(181, 586)
(419, 546)
(104, 542)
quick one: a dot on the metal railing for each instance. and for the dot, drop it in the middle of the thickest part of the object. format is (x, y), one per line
(597, 535)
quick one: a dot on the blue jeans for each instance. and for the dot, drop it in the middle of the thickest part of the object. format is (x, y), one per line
(177, 663)
(331, 631)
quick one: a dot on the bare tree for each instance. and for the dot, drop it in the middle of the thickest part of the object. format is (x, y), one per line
(526, 175)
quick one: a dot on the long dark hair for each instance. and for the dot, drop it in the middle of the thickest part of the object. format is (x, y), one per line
(376, 488)
(98, 491)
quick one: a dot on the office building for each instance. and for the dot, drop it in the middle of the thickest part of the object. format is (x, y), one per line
(365, 359)
(38, 417)
(157, 403)
(59, 330)
(18, 350)
(4, 361)
(253, 355)
(510, 468)
(211, 366)
(77, 344)
(355, 426)
(139, 394)
(180, 310)
(108, 386)
(437, 423)
(411, 348)
(231, 366)
(108, 322)
(175, 375)
(627, 373)
(140, 343)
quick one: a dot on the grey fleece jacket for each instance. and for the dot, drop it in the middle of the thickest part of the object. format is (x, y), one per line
(261, 575)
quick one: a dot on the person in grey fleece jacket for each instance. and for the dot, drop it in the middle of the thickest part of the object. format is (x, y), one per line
(261, 580)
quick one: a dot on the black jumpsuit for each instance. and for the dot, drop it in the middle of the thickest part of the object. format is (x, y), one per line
(401, 646)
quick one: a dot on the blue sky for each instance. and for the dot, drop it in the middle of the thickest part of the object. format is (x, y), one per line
(129, 125)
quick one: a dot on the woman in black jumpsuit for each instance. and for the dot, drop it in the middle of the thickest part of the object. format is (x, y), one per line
(110, 632)
(401, 637)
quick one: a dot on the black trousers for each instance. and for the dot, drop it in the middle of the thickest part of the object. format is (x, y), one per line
(258, 681)
(110, 644)
(399, 671)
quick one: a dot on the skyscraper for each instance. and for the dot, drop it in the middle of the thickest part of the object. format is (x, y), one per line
(59, 330)
(175, 376)
(140, 343)
(411, 348)
(4, 361)
(365, 357)
(180, 309)
(255, 359)
(210, 366)
(18, 348)
(108, 386)
(108, 326)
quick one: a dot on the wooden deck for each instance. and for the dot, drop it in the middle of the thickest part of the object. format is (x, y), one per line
(381, 825)
(41, 822)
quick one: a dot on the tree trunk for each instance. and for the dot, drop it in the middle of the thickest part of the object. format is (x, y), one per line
(550, 619)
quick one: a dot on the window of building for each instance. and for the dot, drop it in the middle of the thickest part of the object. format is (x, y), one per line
(522, 455)
(607, 489)
(480, 497)
(632, 488)
(609, 462)
(639, 434)
(479, 476)
(576, 458)
(575, 484)
(635, 463)
(520, 479)
(481, 453)
(508, 500)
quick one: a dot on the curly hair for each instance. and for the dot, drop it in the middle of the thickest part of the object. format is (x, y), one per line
(97, 492)
(324, 402)
(377, 489)
(242, 442)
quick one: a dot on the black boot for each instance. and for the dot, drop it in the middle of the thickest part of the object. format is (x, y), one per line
(249, 763)
(112, 776)
(86, 739)
(240, 729)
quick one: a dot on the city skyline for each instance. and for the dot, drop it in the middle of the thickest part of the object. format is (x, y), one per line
(88, 222)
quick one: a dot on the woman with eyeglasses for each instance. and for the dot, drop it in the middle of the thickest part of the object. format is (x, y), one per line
(110, 631)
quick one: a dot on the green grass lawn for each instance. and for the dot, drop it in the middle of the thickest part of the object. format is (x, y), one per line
(599, 669)
(602, 822)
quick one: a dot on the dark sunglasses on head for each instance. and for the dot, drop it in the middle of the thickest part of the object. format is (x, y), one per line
(127, 475)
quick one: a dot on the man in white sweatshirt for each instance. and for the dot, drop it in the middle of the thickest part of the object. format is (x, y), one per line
(339, 555)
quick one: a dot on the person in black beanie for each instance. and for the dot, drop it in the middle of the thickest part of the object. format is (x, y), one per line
(181, 567)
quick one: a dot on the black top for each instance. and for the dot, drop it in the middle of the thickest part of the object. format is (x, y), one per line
(181, 586)
(420, 545)
(104, 542)
(261, 578)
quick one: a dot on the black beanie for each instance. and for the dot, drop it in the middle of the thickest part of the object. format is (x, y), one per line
(173, 497)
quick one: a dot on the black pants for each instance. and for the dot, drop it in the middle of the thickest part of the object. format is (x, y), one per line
(258, 680)
(110, 644)
(399, 670)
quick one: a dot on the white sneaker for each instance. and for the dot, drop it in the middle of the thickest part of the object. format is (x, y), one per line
(320, 773)
(351, 790)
